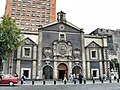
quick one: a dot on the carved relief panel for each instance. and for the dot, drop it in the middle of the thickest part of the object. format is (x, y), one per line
(62, 48)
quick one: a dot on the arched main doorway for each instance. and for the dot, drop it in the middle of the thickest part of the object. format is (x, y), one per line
(48, 72)
(76, 70)
(62, 70)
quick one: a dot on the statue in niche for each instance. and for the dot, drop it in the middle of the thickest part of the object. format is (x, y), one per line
(76, 54)
(47, 52)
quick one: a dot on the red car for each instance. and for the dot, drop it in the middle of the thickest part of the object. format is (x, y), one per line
(8, 79)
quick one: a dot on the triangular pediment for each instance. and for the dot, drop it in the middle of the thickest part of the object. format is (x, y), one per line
(93, 44)
(28, 41)
(62, 27)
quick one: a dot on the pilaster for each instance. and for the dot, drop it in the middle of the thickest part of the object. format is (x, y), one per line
(40, 52)
(55, 70)
(18, 68)
(83, 54)
(34, 70)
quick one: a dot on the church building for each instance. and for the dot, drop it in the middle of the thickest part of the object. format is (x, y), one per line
(59, 49)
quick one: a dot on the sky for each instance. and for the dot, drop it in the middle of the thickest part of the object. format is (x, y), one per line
(87, 14)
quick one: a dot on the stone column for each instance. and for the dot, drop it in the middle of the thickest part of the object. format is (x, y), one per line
(34, 62)
(19, 53)
(55, 70)
(34, 52)
(34, 70)
(40, 52)
(101, 69)
(83, 53)
(18, 68)
(88, 70)
(88, 64)
(101, 66)
(70, 67)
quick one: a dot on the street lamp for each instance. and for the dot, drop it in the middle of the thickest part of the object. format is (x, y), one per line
(10, 68)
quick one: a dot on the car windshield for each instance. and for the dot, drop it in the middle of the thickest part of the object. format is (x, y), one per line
(7, 76)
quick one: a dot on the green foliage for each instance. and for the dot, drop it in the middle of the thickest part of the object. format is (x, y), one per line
(10, 37)
(113, 63)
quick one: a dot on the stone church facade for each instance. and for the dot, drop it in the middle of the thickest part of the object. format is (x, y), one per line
(60, 48)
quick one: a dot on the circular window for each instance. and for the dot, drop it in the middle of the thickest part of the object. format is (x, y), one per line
(61, 27)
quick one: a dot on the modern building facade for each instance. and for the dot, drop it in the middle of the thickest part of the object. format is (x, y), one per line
(60, 48)
(29, 14)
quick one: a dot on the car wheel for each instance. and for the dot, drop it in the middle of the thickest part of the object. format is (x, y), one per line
(11, 83)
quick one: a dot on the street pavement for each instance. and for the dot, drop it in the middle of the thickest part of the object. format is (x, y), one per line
(49, 85)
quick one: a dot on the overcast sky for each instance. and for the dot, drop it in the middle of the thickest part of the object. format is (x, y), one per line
(88, 14)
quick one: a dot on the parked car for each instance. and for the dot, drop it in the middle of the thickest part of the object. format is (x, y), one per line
(8, 79)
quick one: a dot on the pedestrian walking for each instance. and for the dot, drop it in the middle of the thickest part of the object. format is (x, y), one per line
(65, 78)
(73, 76)
(80, 78)
(23, 79)
(15, 74)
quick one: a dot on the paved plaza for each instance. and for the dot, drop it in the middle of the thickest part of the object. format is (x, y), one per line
(49, 85)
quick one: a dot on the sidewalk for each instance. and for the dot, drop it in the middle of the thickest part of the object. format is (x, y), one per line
(67, 83)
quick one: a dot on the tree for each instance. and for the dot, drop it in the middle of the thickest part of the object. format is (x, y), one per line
(113, 64)
(10, 38)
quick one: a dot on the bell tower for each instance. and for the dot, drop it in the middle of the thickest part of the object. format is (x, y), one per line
(61, 16)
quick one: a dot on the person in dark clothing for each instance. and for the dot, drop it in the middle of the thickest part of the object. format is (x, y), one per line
(0, 77)
(15, 74)
(100, 78)
(23, 79)
(80, 78)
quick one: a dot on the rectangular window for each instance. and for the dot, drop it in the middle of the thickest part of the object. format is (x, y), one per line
(18, 13)
(23, 14)
(33, 11)
(23, 10)
(27, 24)
(14, 4)
(22, 23)
(24, 5)
(27, 19)
(28, 10)
(14, 0)
(95, 73)
(17, 23)
(22, 18)
(62, 36)
(34, 6)
(26, 72)
(19, 5)
(18, 9)
(33, 20)
(38, 7)
(28, 14)
(93, 54)
(27, 51)
(13, 9)
(17, 18)
(34, 2)
(33, 15)
(24, 1)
